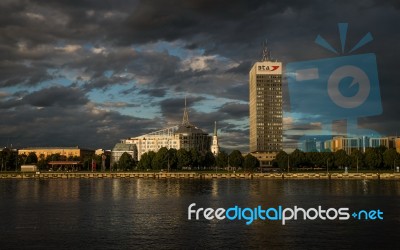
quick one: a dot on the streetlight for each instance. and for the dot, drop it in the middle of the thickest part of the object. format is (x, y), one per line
(228, 164)
(288, 166)
(327, 166)
(357, 164)
(168, 148)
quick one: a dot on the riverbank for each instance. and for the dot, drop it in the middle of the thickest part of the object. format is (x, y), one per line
(197, 175)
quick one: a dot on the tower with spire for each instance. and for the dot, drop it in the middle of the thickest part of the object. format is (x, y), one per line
(214, 145)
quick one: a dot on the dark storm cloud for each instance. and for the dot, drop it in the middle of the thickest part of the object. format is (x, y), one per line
(53, 96)
(97, 41)
(172, 108)
(10, 74)
(305, 127)
(57, 126)
(126, 66)
(153, 92)
(235, 110)
(56, 96)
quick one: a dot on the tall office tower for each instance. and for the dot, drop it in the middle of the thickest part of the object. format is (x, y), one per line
(265, 82)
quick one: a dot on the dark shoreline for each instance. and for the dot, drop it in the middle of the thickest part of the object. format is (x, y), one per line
(197, 175)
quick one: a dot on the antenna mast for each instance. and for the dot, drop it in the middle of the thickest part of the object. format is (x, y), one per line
(266, 53)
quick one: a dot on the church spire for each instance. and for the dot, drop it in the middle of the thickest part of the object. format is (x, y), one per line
(185, 120)
(214, 145)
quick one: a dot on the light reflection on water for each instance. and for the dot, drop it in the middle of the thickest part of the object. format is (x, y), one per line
(148, 213)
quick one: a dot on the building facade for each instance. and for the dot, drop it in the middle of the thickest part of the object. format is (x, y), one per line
(67, 152)
(265, 104)
(185, 135)
(121, 148)
(349, 144)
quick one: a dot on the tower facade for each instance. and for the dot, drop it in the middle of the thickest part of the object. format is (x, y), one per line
(265, 83)
(214, 145)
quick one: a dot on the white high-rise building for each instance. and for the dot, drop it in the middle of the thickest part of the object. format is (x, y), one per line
(265, 83)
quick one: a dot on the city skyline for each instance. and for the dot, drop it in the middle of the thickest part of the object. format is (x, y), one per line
(91, 73)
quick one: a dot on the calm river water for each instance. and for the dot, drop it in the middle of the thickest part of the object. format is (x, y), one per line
(148, 213)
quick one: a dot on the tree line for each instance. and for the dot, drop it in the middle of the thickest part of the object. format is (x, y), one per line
(182, 159)
(10, 160)
(373, 158)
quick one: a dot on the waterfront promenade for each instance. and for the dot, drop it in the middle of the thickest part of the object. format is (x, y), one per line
(197, 175)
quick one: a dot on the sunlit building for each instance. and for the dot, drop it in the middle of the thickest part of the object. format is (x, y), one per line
(265, 86)
(185, 135)
(397, 144)
(67, 152)
(349, 144)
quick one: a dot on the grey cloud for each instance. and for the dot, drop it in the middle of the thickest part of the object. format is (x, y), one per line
(117, 105)
(57, 95)
(57, 126)
(153, 92)
(53, 96)
(235, 110)
(231, 30)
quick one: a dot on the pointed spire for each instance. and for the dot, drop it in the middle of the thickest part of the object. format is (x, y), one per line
(215, 128)
(185, 120)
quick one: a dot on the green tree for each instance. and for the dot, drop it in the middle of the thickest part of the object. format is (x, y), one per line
(282, 159)
(341, 159)
(208, 160)
(173, 159)
(196, 158)
(297, 158)
(42, 163)
(222, 159)
(373, 158)
(357, 158)
(236, 159)
(9, 159)
(251, 163)
(184, 159)
(381, 149)
(146, 160)
(114, 166)
(31, 158)
(54, 157)
(98, 160)
(160, 161)
(314, 159)
(390, 157)
(125, 162)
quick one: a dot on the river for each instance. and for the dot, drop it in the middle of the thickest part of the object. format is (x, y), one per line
(153, 213)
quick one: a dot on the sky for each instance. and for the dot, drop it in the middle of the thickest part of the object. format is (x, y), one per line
(88, 73)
